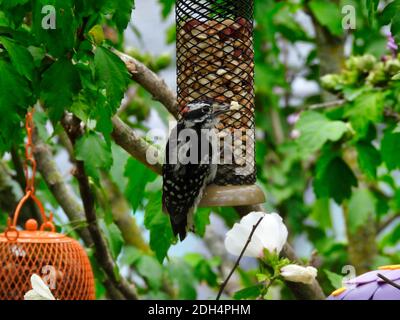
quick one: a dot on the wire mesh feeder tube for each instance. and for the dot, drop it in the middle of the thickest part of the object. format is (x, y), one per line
(215, 61)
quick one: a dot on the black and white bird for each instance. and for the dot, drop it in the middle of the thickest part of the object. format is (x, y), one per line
(189, 163)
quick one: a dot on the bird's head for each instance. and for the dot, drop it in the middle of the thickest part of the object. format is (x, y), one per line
(203, 111)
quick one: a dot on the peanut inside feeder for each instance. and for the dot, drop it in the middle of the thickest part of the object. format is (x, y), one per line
(215, 61)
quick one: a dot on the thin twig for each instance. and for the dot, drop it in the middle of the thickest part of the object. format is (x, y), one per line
(390, 113)
(329, 104)
(238, 260)
(388, 281)
(388, 222)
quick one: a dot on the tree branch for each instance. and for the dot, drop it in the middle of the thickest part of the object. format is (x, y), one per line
(136, 146)
(151, 82)
(388, 222)
(102, 253)
(239, 258)
(60, 190)
(328, 104)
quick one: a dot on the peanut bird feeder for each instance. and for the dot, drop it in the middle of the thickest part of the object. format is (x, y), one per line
(215, 61)
(59, 260)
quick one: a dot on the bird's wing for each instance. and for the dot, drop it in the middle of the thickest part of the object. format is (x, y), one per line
(182, 186)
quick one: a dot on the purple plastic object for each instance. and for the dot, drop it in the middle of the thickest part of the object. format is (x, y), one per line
(369, 286)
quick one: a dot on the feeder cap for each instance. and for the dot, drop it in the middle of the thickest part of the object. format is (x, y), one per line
(31, 225)
(33, 236)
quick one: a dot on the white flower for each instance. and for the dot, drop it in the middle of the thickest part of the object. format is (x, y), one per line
(40, 291)
(295, 134)
(296, 273)
(271, 234)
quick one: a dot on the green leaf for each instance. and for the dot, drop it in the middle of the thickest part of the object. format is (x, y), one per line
(334, 278)
(202, 268)
(368, 159)
(103, 115)
(390, 147)
(249, 292)
(117, 172)
(167, 6)
(8, 4)
(157, 222)
(41, 119)
(321, 213)
(138, 176)
(315, 130)
(367, 108)
(62, 38)
(114, 238)
(333, 178)
(361, 208)
(94, 152)
(261, 277)
(149, 268)
(130, 256)
(182, 277)
(59, 84)
(229, 215)
(20, 57)
(123, 13)
(372, 6)
(396, 76)
(201, 220)
(14, 101)
(389, 11)
(286, 24)
(112, 75)
(171, 34)
(392, 238)
(395, 26)
(4, 21)
(328, 15)
(97, 34)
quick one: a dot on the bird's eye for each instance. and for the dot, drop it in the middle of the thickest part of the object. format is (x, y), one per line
(206, 109)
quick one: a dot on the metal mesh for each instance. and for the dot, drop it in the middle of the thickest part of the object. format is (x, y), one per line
(65, 260)
(215, 61)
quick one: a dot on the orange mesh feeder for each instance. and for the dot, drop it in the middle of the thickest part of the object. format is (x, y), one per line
(59, 260)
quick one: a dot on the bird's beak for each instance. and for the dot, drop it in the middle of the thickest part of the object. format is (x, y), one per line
(221, 109)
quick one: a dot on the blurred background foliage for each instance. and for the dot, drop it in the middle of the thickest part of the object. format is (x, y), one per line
(328, 139)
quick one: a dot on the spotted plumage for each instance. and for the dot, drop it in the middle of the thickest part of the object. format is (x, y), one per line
(188, 166)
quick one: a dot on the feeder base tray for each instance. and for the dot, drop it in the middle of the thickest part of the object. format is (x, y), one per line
(232, 196)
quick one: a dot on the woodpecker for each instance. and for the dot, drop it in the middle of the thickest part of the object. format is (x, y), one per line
(189, 165)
